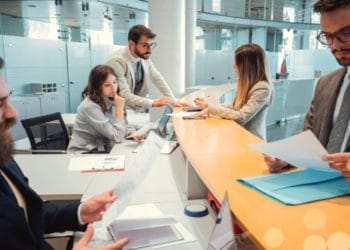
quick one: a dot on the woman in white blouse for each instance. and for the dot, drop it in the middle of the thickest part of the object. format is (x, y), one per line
(254, 91)
(100, 118)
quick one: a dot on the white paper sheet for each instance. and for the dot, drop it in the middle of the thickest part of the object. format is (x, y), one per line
(302, 150)
(134, 175)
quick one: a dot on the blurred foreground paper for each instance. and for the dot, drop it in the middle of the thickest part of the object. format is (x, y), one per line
(139, 167)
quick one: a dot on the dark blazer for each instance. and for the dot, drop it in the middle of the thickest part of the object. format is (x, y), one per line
(43, 217)
(319, 118)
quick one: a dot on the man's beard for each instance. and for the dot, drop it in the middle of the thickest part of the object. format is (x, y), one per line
(143, 56)
(342, 61)
(6, 141)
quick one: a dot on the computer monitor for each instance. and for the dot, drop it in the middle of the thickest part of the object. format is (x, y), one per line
(163, 121)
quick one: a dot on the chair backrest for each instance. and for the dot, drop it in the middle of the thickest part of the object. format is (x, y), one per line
(47, 132)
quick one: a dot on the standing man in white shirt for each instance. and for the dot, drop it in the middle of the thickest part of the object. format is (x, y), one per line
(136, 71)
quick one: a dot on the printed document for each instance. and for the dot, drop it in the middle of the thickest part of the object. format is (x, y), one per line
(302, 150)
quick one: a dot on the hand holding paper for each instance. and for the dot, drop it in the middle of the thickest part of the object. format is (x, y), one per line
(341, 162)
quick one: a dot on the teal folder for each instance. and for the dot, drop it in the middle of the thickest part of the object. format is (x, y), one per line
(299, 187)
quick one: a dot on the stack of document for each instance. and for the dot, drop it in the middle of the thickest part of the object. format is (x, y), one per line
(97, 163)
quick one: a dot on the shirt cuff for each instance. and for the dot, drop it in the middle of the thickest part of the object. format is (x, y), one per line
(81, 222)
(150, 104)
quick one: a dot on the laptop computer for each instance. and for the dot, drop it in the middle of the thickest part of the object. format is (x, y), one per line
(162, 130)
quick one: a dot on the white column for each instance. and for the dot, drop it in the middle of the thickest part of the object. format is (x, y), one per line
(191, 20)
(167, 20)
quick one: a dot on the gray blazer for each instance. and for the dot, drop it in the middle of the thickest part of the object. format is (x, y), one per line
(252, 115)
(121, 62)
(319, 118)
(95, 130)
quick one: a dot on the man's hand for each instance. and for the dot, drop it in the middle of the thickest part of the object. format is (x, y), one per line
(201, 103)
(164, 100)
(275, 165)
(84, 241)
(339, 161)
(93, 209)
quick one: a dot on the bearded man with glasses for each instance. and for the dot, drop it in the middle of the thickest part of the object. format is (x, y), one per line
(136, 71)
(328, 115)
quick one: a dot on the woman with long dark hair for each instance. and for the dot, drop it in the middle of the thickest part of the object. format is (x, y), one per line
(100, 118)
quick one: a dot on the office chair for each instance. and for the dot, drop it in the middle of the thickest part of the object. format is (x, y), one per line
(47, 133)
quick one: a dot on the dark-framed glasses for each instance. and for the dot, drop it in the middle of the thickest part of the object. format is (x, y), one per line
(5, 98)
(342, 36)
(148, 45)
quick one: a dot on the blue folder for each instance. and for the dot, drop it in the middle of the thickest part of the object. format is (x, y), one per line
(299, 187)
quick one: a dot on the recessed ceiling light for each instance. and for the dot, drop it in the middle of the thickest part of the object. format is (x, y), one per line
(31, 5)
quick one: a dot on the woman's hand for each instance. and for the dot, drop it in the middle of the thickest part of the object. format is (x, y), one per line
(139, 138)
(201, 103)
(119, 101)
(119, 107)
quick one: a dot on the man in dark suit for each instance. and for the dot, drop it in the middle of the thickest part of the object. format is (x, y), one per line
(24, 217)
(330, 105)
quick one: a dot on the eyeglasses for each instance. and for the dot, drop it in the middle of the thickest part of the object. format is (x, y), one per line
(342, 36)
(3, 99)
(148, 45)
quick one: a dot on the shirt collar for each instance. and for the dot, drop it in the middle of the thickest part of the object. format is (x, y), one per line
(134, 59)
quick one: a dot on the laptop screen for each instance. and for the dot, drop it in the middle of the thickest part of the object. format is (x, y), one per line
(164, 120)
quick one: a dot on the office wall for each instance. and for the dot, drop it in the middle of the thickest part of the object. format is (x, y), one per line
(34, 61)
(302, 64)
(215, 67)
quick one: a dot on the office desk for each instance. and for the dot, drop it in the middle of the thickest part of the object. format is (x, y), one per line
(161, 186)
(218, 153)
(49, 176)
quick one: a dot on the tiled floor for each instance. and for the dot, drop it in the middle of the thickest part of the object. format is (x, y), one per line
(284, 129)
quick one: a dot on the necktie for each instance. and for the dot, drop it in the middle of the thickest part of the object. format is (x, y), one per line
(337, 134)
(138, 77)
